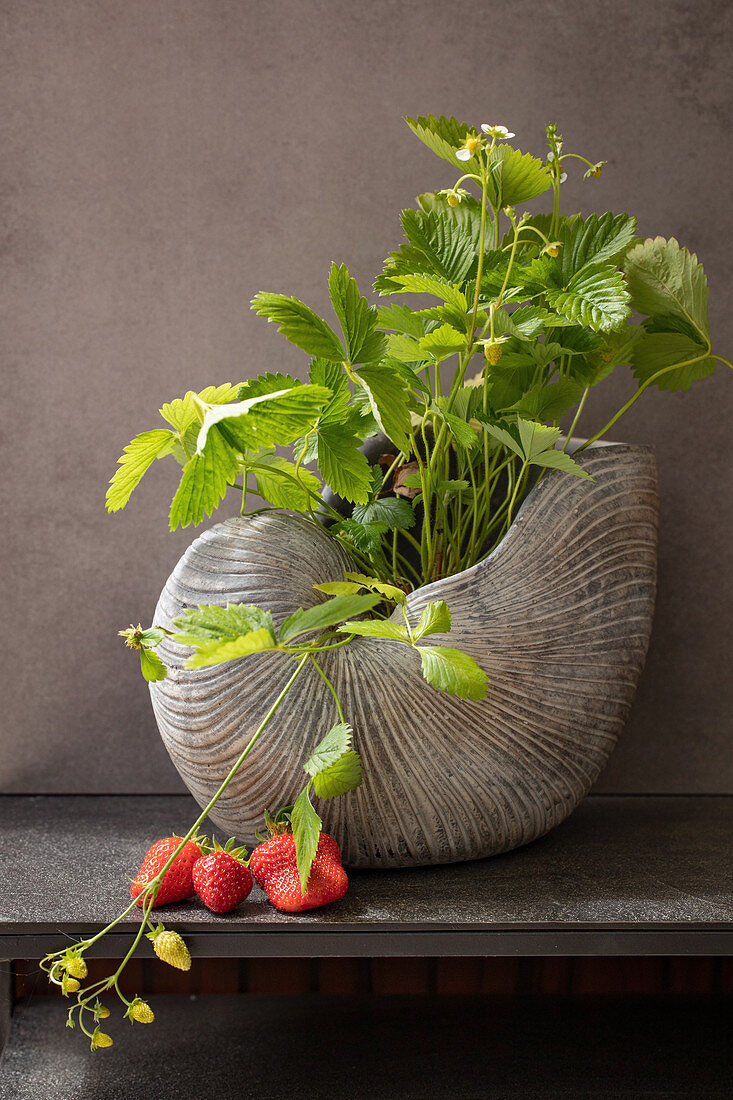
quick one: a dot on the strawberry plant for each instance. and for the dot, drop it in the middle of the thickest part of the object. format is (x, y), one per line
(412, 441)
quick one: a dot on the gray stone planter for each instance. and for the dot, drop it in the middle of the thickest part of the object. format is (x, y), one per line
(559, 616)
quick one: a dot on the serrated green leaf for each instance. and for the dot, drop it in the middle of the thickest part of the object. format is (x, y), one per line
(357, 318)
(502, 435)
(462, 432)
(525, 323)
(265, 384)
(447, 248)
(204, 483)
(390, 591)
(306, 833)
(276, 485)
(405, 348)
(339, 588)
(592, 240)
(336, 742)
(614, 348)
(181, 412)
(139, 454)
(441, 343)
(435, 618)
(437, 246)
(444, 136)
(224, 633)
(213, 623)
(447, 315)
(377, 628)
(342, 464)
(536, 437)
(467, 215)
(551, 401)
(151, 666)
(366, 537)
(452, 671)
(344, 775)
(324, 372)
(393, 511)
(657, 351)
(596, 296)
(388, 400)
(215, 653)
(432, 284)
(401, 319)
(666, 279)
(467, 401)
(325, 614)
(515, 177)
(267, 419)
(299, 324)
(558, 460)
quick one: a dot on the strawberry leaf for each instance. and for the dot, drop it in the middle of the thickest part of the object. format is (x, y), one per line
(452, 671)
(215, 653)
(357, 318)
(434, 619)
(151, 666)
(325, 614)
(377, 628)
(306, 833)
(394, 512)
(336, 742)
(136, 458)
(342, 776)
(390, 591)
(204, 483)
(299, 324)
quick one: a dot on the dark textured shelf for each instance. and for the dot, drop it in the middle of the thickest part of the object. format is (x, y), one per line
(377, 1048)
(623, 875)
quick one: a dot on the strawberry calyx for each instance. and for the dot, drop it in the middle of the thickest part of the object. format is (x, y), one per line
(279, 825)
(231, 848)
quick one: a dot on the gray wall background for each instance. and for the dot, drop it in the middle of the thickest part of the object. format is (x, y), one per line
(164, 160)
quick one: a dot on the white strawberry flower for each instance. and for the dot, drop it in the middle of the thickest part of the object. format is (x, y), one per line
(470, 144)
(500, 133)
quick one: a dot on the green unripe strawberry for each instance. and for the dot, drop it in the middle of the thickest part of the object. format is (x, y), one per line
(140, 1011)
(170, 947)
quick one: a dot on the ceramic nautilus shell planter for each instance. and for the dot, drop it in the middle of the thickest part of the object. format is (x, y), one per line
(559, 616)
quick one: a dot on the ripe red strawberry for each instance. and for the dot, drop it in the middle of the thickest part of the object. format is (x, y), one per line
(177, 882)
(273, 865)
(221, 879)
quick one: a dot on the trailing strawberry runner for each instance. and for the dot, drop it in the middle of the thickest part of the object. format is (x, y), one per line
(458, 405)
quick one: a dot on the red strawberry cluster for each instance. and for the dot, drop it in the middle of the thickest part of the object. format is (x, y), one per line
(222, 880)
(219, 876)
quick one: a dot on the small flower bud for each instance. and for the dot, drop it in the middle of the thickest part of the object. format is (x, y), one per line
(133, 636)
